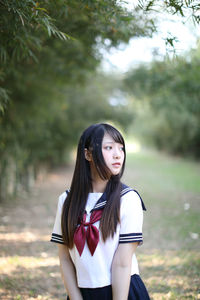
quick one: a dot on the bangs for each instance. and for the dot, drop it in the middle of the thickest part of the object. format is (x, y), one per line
(115, 134)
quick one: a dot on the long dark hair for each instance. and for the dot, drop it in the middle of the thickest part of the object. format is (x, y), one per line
(74, 205)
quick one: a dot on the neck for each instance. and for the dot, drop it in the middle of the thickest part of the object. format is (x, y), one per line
(98, 184)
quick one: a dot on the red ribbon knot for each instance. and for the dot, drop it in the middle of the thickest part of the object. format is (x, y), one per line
(91, 234)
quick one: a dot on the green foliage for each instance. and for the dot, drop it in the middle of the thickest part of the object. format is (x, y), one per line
(27, 28)
(170, 92)
(41, 129)
(49, 52)
(183, 8)
(20, 23)
(187, 10)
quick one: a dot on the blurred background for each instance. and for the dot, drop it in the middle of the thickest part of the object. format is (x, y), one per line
(67, 64)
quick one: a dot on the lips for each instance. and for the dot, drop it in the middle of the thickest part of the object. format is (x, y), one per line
(116, 164)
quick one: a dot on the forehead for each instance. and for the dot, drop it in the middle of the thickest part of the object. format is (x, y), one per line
(107, 139)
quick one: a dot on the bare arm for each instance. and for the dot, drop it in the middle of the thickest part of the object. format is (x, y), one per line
(121, 270)
(68, 273)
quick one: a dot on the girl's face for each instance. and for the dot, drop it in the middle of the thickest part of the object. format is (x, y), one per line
(113, 154)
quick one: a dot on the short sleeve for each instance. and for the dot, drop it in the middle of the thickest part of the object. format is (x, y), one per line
(56, 235)
(131, 218)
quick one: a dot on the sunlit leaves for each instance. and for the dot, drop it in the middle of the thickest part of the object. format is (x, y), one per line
(183, 8)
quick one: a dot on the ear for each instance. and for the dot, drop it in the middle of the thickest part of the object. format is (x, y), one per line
(88, 155)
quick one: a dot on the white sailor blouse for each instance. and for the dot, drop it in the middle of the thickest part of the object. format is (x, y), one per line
(92, 258)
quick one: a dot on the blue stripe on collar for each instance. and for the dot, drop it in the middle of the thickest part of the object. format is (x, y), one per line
(101, 202)
(125, 189)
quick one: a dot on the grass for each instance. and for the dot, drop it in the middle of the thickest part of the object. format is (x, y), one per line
(171, 274)
(169, 259)
(170, 188)
(169, 172)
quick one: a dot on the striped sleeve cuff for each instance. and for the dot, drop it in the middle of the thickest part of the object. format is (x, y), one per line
(131, 238)
(56, 238)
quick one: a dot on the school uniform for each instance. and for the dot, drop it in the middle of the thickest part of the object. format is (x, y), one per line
(92, 257)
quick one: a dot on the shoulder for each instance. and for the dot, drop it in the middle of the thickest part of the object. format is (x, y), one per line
(62, 198)
(131, 197)
(131, 214)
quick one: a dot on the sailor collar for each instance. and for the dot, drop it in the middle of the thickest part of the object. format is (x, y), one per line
(103, 199)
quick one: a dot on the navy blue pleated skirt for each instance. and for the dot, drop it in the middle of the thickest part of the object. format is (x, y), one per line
(137, 291)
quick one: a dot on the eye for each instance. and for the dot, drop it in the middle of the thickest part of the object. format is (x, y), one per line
(108, 147)
(121, 148)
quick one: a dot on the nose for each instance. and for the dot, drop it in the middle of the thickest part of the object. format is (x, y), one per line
(117, 153)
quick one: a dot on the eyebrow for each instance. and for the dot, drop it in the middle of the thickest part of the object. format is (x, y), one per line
(110, 142)
(106, 142)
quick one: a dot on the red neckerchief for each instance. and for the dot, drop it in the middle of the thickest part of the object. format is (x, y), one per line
(91, 234)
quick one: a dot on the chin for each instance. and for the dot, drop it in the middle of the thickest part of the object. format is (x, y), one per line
(115, 173)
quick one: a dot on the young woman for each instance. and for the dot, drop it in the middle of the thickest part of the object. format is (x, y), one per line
(98, 223)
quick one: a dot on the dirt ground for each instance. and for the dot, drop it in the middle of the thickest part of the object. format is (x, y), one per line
(28, 261)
